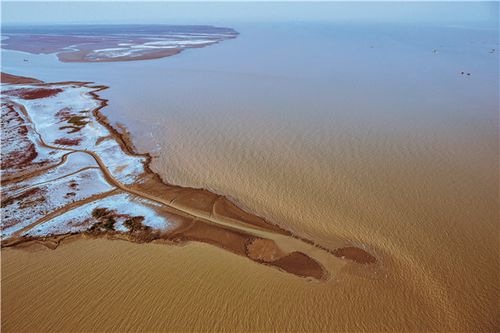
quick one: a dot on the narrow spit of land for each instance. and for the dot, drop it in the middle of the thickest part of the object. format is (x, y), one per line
(66, 173)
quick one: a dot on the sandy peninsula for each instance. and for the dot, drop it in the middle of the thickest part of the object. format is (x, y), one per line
(67, 173)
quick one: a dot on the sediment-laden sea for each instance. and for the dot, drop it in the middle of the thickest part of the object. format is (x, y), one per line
(382, 137)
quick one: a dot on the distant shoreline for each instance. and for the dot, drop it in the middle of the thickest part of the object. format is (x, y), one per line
(141, 42)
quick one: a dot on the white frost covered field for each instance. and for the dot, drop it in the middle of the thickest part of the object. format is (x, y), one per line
(88, 168)
(135, 50)
(80, 219)
(76, 101)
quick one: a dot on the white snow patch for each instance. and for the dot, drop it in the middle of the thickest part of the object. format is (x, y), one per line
(50, 197)
(78, 101)
(80, 219)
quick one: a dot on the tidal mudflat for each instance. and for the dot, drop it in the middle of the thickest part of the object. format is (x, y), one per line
(66, 172)
(106, 43)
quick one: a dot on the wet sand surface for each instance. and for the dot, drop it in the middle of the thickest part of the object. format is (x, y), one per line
(14, 79)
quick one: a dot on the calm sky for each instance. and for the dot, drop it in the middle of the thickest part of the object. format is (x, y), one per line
(42, 12)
